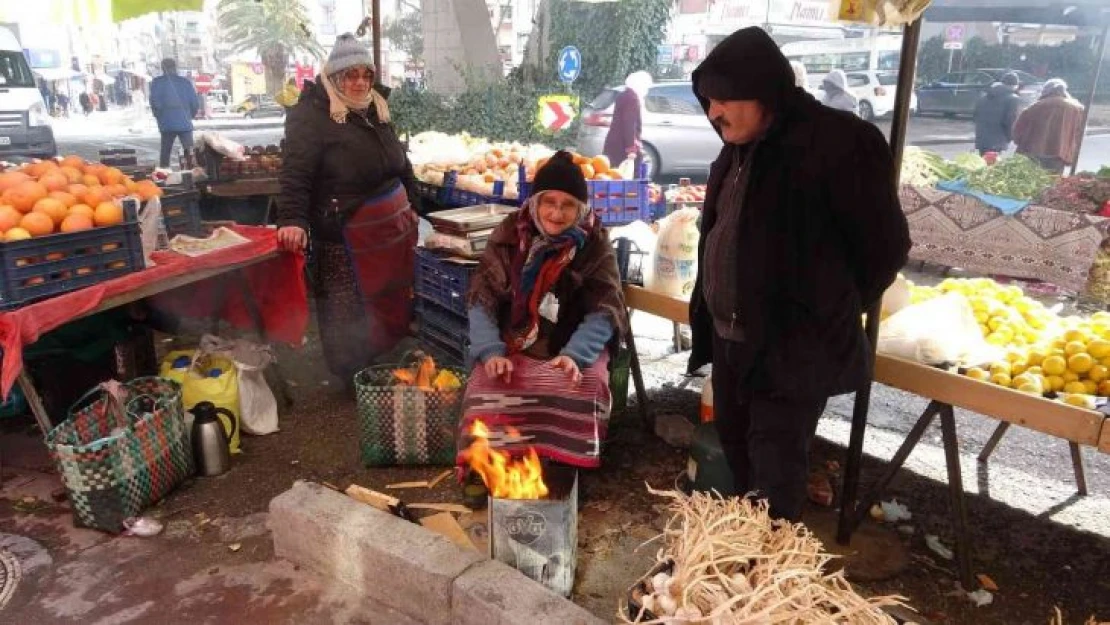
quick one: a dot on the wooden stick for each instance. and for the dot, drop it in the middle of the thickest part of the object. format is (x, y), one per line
(381, 501)
(440, 507)
(439, 478)
(403, 485)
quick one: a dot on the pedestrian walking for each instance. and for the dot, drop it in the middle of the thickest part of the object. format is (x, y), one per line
(995, 113)
(837, 96)
(1050, 130)
(174, 102)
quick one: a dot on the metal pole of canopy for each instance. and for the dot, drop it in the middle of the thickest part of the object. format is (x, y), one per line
(849, 515)
(376, 16)
(1091, 92)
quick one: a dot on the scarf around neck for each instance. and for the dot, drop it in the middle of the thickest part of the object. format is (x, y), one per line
(340, 104)
(537, 264)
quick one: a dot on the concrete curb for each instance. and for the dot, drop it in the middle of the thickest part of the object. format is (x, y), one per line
(406, 567)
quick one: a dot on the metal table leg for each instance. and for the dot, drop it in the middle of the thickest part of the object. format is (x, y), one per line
(34, 401)
(1077, 464)
(956, 495)
(995, 438)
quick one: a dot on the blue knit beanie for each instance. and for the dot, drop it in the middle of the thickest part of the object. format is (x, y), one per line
(348, 53)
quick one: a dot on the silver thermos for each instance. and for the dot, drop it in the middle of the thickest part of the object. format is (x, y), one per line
(210, 438)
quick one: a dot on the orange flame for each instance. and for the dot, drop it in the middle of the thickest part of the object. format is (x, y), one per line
(505, 477)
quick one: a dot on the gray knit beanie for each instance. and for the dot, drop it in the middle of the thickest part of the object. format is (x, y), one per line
(348, 53)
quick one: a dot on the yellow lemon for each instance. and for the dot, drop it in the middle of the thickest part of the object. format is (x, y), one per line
(1036, 357)
(1075, 387)
(977, 373)
(1014, 356)
(1018, 368)
(1098, 373)
(1090, 387)
(1054, 365)
(1070, 376)
(1035, 370)
(996, 322)
(1031, 389)
(982, 316)
(1054, 383)
(1098, 348)
(1080, 400)
(1075, 347)
(1075, 335)
(1001, 379)
(1080, 363)
(1104, 388)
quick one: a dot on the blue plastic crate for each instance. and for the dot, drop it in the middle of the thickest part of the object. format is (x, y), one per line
(446, 331)
(442, 281)
(616, 202)
(42, 267)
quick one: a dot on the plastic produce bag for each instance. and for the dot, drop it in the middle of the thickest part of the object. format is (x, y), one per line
(151, 225)
(896, 297)
(258, 411)
(676, 254)
(205, 377)
(941, 330)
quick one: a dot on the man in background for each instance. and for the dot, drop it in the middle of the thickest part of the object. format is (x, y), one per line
(995, 113)
(1049, 131)
(174, 102)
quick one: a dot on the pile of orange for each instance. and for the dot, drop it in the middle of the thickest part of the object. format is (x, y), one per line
(64, 195)
(596, 168)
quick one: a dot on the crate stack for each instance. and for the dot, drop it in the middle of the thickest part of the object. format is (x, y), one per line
(616, 202)
(441, 285)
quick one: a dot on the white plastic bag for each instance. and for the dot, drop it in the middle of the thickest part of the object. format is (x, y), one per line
(258, 413)
(627, 169)
(644, 240)
(940, 330)
(676, 254)
(150, 224)
(896, 297)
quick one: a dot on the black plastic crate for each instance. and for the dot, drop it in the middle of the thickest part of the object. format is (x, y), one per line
(444, 330)
(119, 157)
(42, 267)
(181, 211)
(442, 281)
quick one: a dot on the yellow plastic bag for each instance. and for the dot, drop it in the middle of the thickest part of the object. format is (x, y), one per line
(206, 377)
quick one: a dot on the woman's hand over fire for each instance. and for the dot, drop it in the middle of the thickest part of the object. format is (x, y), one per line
(567, 364)
(499, 367)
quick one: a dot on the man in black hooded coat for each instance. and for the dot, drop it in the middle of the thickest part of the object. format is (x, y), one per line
(801, 231)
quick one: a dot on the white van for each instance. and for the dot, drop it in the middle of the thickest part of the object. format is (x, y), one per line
(24, 123)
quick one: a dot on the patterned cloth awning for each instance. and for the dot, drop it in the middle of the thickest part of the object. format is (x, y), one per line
(1037, 243)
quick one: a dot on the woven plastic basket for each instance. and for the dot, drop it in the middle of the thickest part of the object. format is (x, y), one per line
(118, 457)
(403, 425)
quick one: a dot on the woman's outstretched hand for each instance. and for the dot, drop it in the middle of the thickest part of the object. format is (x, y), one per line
(499, 367)
(567, 364)
(292, 239)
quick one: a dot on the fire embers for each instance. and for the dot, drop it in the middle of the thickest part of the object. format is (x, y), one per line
(505, 477)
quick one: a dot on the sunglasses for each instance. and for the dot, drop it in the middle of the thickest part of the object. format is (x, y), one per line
(355, 76)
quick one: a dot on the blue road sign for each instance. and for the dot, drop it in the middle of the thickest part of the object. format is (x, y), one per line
(570, 64)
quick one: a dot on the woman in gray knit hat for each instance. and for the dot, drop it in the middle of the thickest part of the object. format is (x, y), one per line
(347, 187)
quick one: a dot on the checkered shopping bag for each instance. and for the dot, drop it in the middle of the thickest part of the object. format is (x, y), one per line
(117, 454)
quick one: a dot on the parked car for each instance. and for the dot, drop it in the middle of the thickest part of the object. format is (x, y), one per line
(265, 107)
(678, 138)
(956, 93)
(875, 92)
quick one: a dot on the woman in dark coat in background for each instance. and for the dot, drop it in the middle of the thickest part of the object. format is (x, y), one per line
(347, 185)
(623, 139)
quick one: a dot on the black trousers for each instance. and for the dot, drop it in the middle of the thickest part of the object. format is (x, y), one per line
(168, 137)
(765, 435)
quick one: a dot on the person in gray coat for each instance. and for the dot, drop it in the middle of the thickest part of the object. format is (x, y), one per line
(995, 113)
(837, 96)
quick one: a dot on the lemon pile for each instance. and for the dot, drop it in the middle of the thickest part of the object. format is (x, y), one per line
(1043, 351)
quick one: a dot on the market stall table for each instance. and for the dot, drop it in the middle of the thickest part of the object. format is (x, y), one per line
(946, 391)
(241, 190)
(267, 300)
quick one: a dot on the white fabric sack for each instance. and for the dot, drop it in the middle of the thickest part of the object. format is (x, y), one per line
(941, 330)
(258, 412)
(676, 254)
(896, 297)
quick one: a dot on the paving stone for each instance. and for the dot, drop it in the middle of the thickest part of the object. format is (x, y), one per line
(492, 593)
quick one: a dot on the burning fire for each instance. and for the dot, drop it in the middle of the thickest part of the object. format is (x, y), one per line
(505, 477)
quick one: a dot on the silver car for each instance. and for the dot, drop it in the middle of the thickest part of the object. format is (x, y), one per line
(678, 138)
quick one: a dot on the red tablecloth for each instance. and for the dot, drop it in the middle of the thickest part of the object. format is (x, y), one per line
(275, 284)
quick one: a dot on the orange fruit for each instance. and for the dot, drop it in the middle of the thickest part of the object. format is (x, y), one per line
(116, 190)
(601, 164)
(16, 234)
(52, 208)
(24, 195)
(77, 190)
(38, 224)
(9, 218)
(108, 214)
(578, 159)
(64, 197)
(132, 186)
(94, 168)
(10, 179)
(40, 168)
(90, 180)
(73, 161)
(54, 181)
(72, 174)
(587, 170)
(148, 189)
(82, 209)
(76, 222)
(94, 196)
(110, 175)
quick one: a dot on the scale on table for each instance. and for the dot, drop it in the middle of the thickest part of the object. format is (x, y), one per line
(470, 227)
